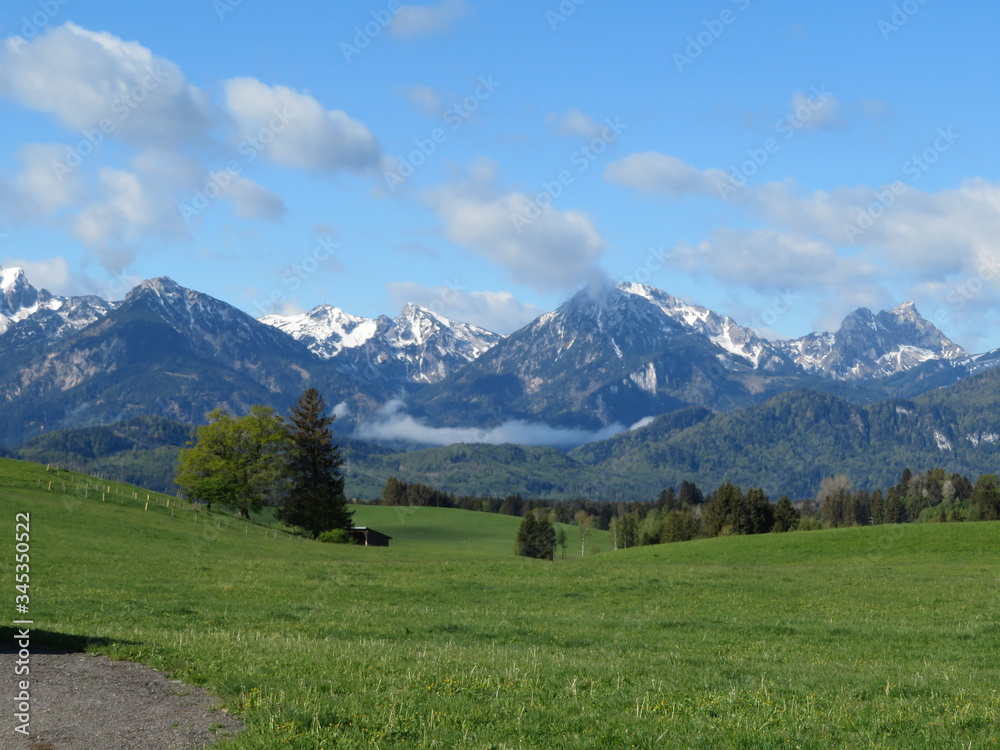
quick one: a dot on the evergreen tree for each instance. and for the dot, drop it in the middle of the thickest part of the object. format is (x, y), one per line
(536, 537)
(679, 526)
(986, 498)
(721, 510)
(878, 507)
(756, 514)
(786, 518)
(315, 500)
(690, 494)
(393, 491)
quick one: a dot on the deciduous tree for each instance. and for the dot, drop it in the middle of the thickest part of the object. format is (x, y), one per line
(237, 462)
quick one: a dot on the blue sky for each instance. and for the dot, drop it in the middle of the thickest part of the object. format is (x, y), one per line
(782, 163)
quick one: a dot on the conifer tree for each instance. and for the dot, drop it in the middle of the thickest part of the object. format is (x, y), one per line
(786, 518)
(536, 536)
(315, 500)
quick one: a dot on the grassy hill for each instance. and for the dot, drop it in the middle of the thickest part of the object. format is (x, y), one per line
(440, 529)
(879, 637)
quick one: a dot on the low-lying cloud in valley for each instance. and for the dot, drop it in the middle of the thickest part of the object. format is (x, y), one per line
(391, 422)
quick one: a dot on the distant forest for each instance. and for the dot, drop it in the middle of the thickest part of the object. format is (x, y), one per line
(688, 513)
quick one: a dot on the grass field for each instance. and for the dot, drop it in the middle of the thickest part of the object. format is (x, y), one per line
(881, 637)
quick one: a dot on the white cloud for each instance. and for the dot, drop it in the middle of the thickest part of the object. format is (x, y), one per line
(767, 260)
(84, 77)
(37, 190)
(500, 312)
(302, 132)
(574, 122)
(810, 111)
(391, 423)
(252, 201)
(653, 172)
(424, 20)
(542, 248)
(427, 101)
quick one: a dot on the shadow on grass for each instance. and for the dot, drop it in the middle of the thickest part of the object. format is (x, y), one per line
(47, 641)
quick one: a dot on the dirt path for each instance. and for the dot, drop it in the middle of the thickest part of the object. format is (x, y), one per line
(84, 702)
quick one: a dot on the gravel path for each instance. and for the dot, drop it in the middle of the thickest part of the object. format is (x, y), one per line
(84, 702)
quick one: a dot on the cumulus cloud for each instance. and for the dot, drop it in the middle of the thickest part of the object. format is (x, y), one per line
(425, 20)
(500, 312)
(654, 172)
(574, 122)
(302, 132)
(107, 90)
(38, 190)
(538, 245)
(392, 423)
(85, 77)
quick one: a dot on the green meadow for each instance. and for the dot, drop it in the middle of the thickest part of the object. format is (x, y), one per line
(877, 637)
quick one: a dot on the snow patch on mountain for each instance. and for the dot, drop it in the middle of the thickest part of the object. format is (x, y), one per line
(723, 331)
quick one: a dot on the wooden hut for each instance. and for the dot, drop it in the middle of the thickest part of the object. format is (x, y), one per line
(369, 537)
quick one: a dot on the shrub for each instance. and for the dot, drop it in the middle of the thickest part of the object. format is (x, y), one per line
(337, 536)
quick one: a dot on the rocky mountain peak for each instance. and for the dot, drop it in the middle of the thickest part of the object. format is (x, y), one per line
(16, 293)
(874, 345)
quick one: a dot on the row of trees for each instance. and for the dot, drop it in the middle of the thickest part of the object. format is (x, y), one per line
(931, 496)
(247, 463)
(682, 514)
(727, 510)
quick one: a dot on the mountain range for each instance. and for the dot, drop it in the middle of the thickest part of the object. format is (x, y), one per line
(608, 357)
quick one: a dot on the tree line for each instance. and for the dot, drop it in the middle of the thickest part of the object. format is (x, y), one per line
(678, 515)
(932, 496)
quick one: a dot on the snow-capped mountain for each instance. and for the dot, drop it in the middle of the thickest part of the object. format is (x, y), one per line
(873, 346)
(165, 351)
(418, 345)
(27, 314)
(722, 331)
(607, 355)
(616, 354)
